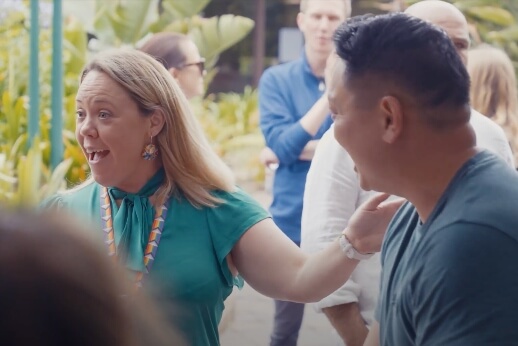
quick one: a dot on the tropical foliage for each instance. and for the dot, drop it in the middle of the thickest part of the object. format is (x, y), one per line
(494, 22)
(129, 22)
(231, 122)
(25, 174)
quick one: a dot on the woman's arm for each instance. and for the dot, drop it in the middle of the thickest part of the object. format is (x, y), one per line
(273, 265)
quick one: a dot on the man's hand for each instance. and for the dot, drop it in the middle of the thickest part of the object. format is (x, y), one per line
(369, 223)
(268, 158)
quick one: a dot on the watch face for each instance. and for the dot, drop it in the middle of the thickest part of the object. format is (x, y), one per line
(350, 252)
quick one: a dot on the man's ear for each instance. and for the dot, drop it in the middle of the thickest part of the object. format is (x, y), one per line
(392, 118)
(300, 21)
(157, 122)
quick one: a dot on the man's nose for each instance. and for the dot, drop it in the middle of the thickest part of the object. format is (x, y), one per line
(324, 23)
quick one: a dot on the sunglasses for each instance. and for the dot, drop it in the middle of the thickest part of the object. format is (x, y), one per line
(200, 64)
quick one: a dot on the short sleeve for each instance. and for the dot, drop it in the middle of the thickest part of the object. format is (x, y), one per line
(229, 221)
(53, 203)
(466, 288)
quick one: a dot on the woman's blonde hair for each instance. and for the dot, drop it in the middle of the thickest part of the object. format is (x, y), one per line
(493, 89)
(191, 165)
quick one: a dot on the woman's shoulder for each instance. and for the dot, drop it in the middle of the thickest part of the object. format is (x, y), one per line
(238, 196)
(70, 199)
(236, 206)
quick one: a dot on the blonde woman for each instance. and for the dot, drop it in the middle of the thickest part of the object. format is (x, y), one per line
(493, 89)
(170, 210)
(181, 57)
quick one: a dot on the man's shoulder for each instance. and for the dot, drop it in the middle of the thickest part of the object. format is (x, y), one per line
(487, 178)
(485, 194)
(460, 242)
(283, 70)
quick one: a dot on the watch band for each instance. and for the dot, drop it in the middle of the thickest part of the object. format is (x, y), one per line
(350, 251)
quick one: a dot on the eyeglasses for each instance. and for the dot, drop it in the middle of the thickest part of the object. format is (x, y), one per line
(200, 64)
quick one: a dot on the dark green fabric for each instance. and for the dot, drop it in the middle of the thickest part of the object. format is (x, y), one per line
(134, 219)
(190, 275)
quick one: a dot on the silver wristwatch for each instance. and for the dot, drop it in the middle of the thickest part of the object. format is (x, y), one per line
(350, 251)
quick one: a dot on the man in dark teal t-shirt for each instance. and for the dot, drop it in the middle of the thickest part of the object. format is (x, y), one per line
(400, 101)
(453, 280)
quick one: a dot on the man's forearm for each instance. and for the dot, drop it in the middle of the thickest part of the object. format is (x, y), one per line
(312, 121)
(348, 322)
(309, 150)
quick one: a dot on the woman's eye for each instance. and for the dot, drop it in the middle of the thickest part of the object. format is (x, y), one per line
(79, 114)
(103, 115)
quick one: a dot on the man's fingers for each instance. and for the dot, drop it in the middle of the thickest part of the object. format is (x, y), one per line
(373, 202)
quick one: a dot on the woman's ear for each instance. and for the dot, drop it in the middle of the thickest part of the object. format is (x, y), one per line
(157, 122)
(174, 72)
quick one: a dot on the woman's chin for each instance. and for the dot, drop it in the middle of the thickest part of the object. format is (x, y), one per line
(102, 178)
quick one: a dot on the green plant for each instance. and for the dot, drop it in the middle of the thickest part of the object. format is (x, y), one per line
(494, 22)
(231, 122)
(25, 174)
(127, 23)
(29, 180)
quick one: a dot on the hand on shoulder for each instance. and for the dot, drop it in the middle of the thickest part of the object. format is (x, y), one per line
(368, 224)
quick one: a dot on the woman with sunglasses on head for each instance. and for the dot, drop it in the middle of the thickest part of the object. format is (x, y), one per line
(181, 58)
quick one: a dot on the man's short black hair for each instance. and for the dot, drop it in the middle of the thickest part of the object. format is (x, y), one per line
(411, 53)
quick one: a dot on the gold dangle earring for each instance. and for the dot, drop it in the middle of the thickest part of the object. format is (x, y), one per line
(150, 151)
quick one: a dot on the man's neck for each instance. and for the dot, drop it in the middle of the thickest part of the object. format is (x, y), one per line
(316, 61)
(431, 177)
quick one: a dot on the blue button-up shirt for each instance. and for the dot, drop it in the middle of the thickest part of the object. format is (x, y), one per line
(286, 93)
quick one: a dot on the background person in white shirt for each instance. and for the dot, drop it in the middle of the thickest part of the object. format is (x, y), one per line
(331, 196)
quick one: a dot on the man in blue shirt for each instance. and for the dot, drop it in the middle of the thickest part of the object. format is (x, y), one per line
(400, 100)
(294, 115)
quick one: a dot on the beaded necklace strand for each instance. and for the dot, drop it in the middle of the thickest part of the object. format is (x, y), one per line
(153, 240)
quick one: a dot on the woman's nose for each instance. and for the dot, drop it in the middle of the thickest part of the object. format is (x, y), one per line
(87, 127)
